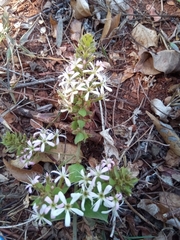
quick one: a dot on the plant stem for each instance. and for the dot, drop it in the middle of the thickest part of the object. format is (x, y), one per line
(74, 227)
(78, 155)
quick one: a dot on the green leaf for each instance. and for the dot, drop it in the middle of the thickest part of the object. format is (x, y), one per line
(81, 123)
(74, 172)
(74, 125)
(82, 112)
(97, 215)
(79, 138)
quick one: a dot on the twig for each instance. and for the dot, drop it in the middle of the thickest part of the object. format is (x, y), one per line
(115, 100)
(136, 212)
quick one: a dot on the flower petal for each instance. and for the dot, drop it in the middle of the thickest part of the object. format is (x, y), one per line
(67, 219)
(77, 211)
(62, 198)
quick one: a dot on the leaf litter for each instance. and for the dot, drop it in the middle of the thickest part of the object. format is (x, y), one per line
(133, 51)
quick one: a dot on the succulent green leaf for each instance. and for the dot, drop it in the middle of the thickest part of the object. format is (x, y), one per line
(82, 112)
(79, 138)
(74, 172)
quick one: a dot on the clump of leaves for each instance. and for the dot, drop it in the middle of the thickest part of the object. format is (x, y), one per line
(5, 25)
(86, 48)
(122, 180)
(14, 142)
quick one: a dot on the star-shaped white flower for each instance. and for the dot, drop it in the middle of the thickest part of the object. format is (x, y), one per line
(101, 196)
(38, 216)
(33, 181)
(68, 207)
(63, 173)
(44, 139)
(53, 205)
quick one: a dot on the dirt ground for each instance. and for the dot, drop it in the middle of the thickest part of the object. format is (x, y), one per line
(152, 211)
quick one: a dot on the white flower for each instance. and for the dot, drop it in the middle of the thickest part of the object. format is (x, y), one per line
(68, 207)
(98, 172)
(31, 148)
(76, 64)
(32, 183)
(109, 163)
(38, 216)
(94, 70)
(101, 195)
(85, 178)
(90, 89)
(57, 135)
(42, 131)
(62, 174)
(25, 159)
(67, 79)
(44, 139)
(53, 205)
(86, 194)
(115, 200)
(74, 90)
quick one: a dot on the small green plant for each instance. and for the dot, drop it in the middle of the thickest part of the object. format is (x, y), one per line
(14, 142)
(5, 26)
(96, 193)
(42, 141)
(82, 84)
(73, 190)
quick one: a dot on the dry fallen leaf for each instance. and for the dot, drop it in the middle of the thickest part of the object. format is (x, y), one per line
(160, 109)
(152, 12)
(167, 133)
(172, 159)
(166, 61)
(22, 175)
(154, 208)
(107, 26)
(128, 73)
(110, 26)
(144, 37)
(170, 200)
(76, 30)
(81, 8)
(134, 167)
(109, 148)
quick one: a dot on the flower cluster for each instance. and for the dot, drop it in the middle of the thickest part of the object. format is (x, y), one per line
(38, 143)
(93, 194)
(83, 81)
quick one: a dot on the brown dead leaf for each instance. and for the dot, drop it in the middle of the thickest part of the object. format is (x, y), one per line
(166, 61)
(134, 167)
(167, 133)
(9, 117)
(152, 12)
(4, 122)
(145, 37)
(81, 9)
(172, 159)
(22, 175)
(36, 124)
(107, 26)
(114, 23)
(171, 3)
(145, 65)
(76, 30)
(154, 208)
(170, 200)
(93, 162)
(128, 73)
(66, 152)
